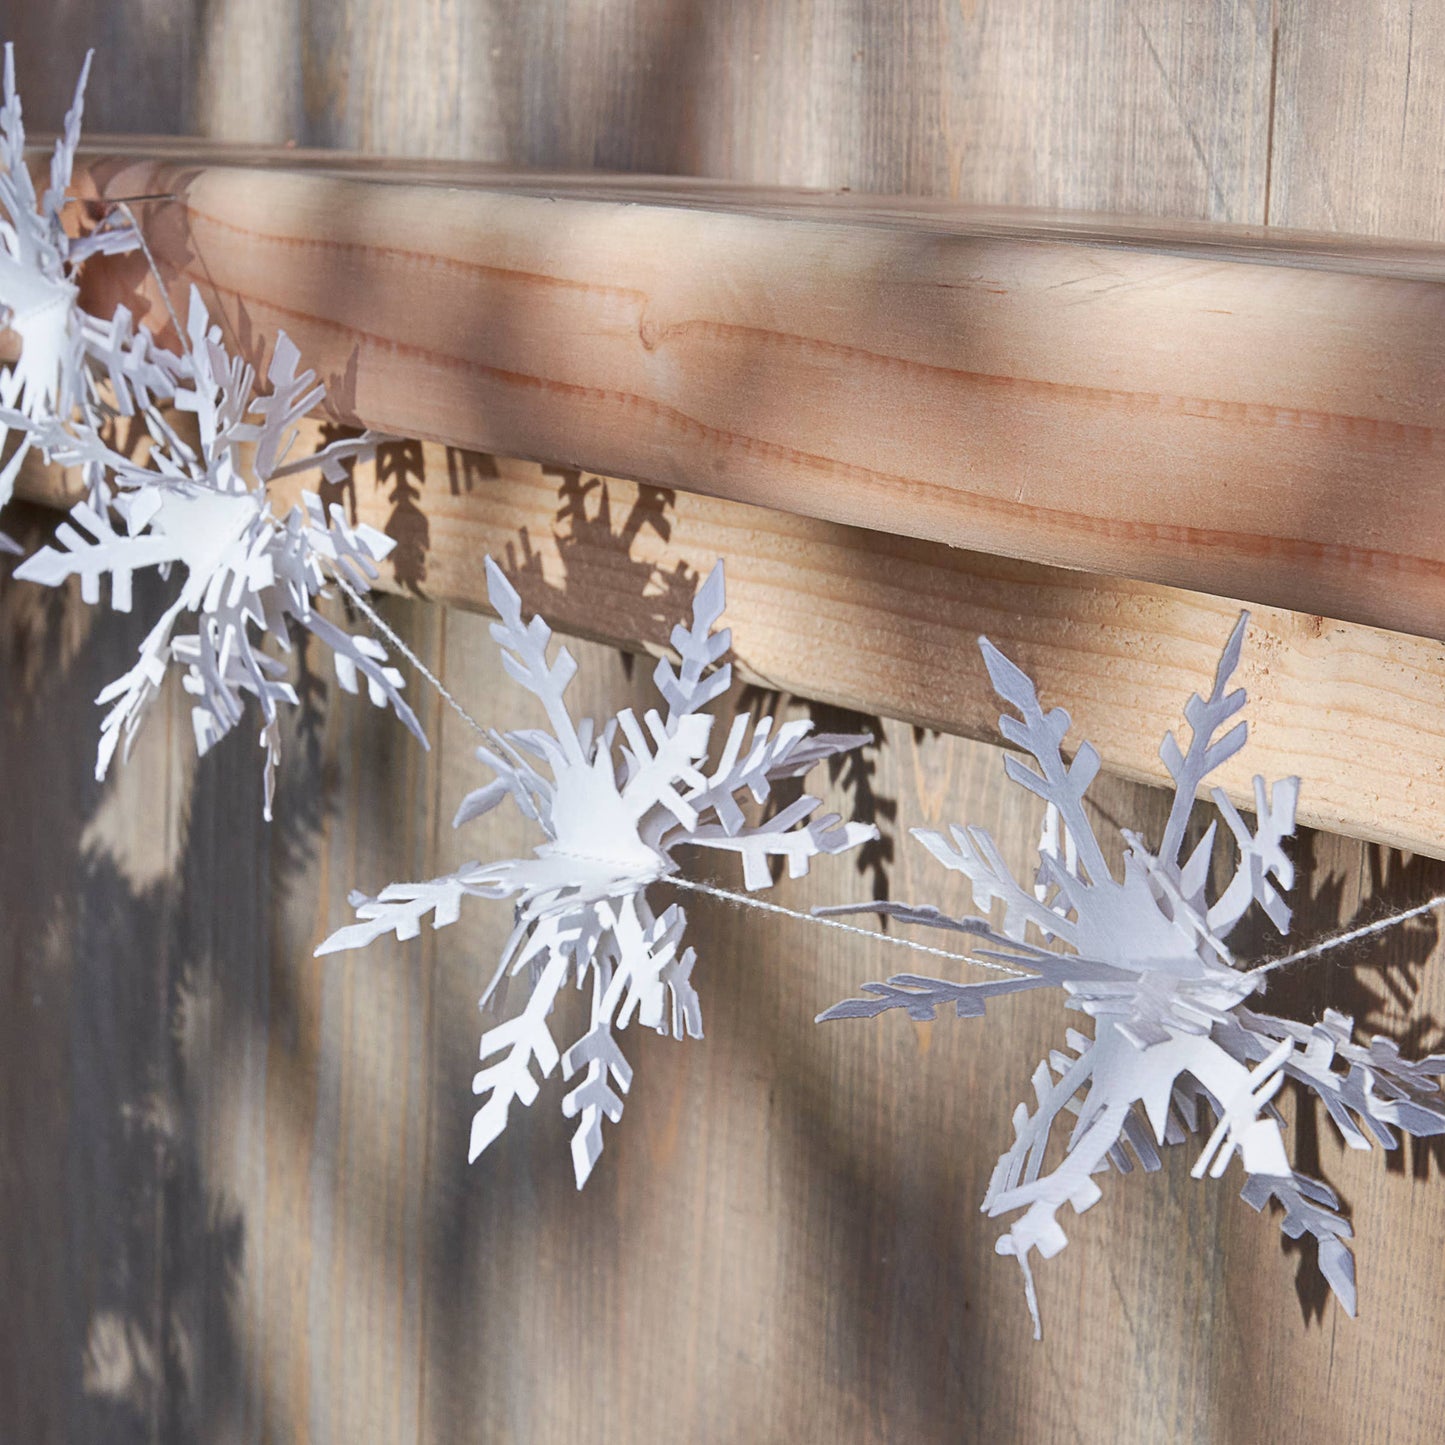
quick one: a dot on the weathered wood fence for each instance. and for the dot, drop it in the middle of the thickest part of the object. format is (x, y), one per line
(233, 1193)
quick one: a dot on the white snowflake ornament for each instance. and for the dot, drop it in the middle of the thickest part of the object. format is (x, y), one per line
(249, 573)
(39, 294)
(201, 503)
(1150, 966)
(613, 805)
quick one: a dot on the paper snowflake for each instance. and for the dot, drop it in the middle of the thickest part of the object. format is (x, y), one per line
(613, 805)
(39, 294)
(1150, 966)
(200, 502)
(203, 504)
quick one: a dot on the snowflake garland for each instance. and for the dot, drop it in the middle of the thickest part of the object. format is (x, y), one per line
(613, 805)
(1174, 1042)
(1151, 968)
(200, 502)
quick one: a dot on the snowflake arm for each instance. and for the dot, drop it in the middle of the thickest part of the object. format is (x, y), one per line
(333, 460)
(922, 996)
(1261, 856)
(1039, 733)
(782, 837)
(62, 159)
(400, 908)
(1205, 718)
(103, 553)
(596, 1055)
(1375, 1085)
(1015, 1183)
(130, 696)
(357, 658)
(141, 373)
(1310, 1208)
(39, 263)
(292, 396)
(702, 676)
(974, 854)
(521, 1042)
(524, 656)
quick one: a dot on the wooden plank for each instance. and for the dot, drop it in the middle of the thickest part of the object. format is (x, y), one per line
(1250, 422)
(92, 1151)
(50, 47)
(888, 626)
(1358, 147)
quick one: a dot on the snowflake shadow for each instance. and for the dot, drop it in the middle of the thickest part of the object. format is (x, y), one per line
(597, 552)
(855, 774)
(401, 470)
(125, 1228)
(1374, 981)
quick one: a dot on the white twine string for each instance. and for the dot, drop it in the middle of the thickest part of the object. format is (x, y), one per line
(743, 900)
(871, 934)
(124, 207)
(1339, 940)
(380, 624)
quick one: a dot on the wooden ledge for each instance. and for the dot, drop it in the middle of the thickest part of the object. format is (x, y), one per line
(1252, 415)
(1179, 404)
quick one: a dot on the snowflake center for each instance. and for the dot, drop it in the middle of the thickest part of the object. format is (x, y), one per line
(594, 826)
(40, 308)
(206, 526)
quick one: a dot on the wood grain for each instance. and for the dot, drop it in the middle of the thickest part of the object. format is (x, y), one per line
(1256, 422)
(811, 1263)
(1381, 177)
